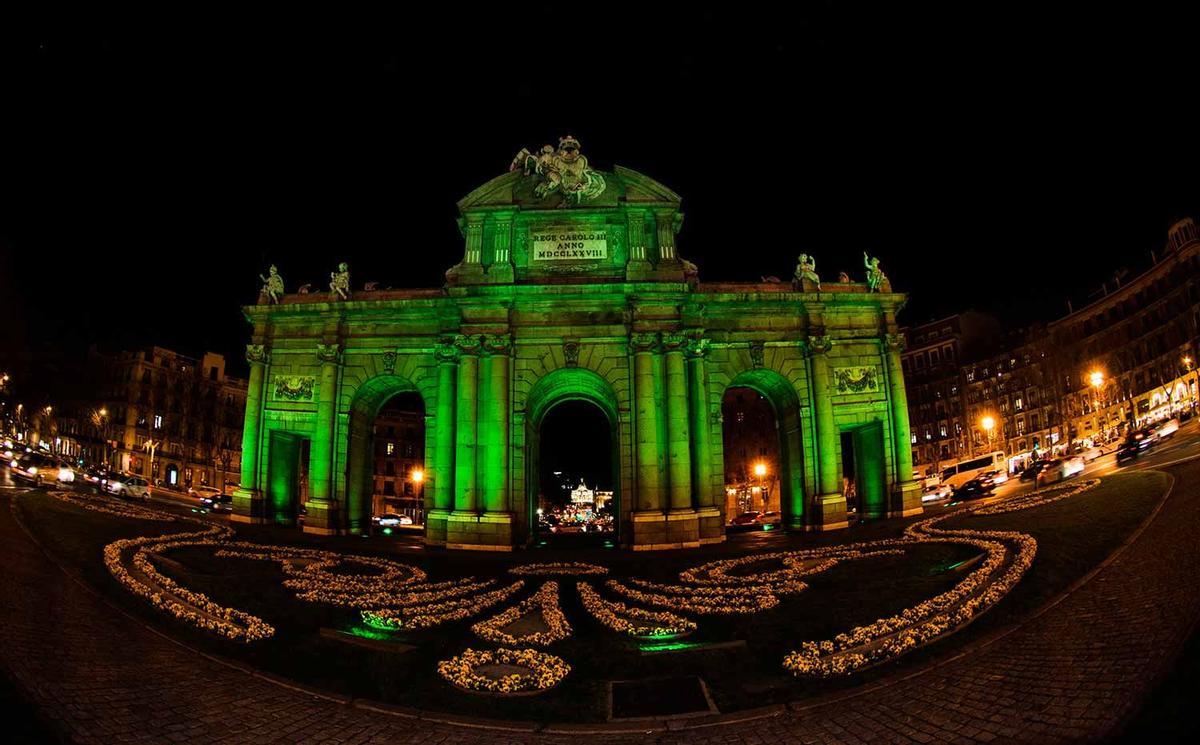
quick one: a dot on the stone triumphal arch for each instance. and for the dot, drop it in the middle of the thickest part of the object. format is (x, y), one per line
(570, 288)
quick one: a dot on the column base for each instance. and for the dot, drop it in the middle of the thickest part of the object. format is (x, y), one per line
(905, 500)
(323, 518)
(654, 530)
(248, 506)
(830, 513)
(712, 525)
(435, 527)
(473, 531)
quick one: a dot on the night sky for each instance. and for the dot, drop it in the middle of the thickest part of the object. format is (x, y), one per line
(998, 161)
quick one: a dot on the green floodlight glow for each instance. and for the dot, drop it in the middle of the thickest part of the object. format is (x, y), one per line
(368, 633)
(668, 646)
(768, 526)
(609, 544)
(387, 531)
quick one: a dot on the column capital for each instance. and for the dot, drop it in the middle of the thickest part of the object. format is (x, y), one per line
(329, 353)
(674, 341)
(467, 344)
(819, 344)
(445, 352)
(257, 353)
(646, 341)
(498, 344)
(894, 342)
(697, 347)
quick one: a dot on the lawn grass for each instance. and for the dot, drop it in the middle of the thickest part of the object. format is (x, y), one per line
(1074, 535)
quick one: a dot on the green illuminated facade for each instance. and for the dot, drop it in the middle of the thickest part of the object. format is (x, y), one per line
(560, 299)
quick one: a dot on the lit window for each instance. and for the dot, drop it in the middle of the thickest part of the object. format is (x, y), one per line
(391, 448)
(158, 421)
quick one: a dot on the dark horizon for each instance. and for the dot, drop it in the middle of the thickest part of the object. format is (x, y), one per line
(163, 174)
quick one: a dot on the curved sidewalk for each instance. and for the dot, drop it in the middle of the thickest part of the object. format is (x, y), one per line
(1074, 672)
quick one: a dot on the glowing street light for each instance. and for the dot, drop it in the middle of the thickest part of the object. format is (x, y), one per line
(418, 475)
(760, 469)
(988, 422)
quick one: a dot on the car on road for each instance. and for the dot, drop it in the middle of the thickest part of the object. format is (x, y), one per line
(1129, 450)
(1061, 469)
(40, 468)
(1090, 454)
(217, 502)
(1034, 469)
(128, 485)
(203, 492)
(1167, 429)
(746, 518)
(937, 493)
(769, 518)
(96, 475)
(391, 519)
(996, 477)
(976, 487)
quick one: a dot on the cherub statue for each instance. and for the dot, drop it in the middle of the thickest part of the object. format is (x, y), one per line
(843, 278)
(875, 276)
(272, 286)
(806, 269)
(339, 282)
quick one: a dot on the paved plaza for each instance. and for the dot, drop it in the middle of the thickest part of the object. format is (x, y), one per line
(1079, 669)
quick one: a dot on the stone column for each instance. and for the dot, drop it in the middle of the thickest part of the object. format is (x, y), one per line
(248, 498)
(646, 412)
(445, 425)
(679, 458)
(906, 492)
(496, 523)
(711, 524)
(830, 512)
(465, 494)
(323, 509)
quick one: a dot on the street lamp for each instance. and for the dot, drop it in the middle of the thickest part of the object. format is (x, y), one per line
(988, 422)
(1096, 378)
(150, 446)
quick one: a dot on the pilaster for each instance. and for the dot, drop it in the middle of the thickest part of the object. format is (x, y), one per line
(248, 503)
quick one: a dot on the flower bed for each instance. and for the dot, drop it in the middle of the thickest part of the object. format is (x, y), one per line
(562, 568)
(795, 566)
(1007, 557)
(544, 600)
(635, 622)
(702, 600)
(193, 608)
(545, 670)
(435, 614)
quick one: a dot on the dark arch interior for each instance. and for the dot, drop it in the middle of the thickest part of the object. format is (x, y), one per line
(750, 437)
(398, 462)
(576, 451)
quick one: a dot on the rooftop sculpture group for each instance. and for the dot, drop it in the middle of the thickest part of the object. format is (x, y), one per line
(339, 285)
(563, 171)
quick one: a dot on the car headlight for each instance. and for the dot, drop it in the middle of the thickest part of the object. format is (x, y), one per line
(13, 464)
(33, 469)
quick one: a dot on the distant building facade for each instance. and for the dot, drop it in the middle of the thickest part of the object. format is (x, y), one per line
(1124, 360)
(399, 464)
(189, 408)
(1130, 357)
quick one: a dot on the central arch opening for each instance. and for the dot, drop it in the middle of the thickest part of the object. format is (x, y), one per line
(577, 473)
(752, 463)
